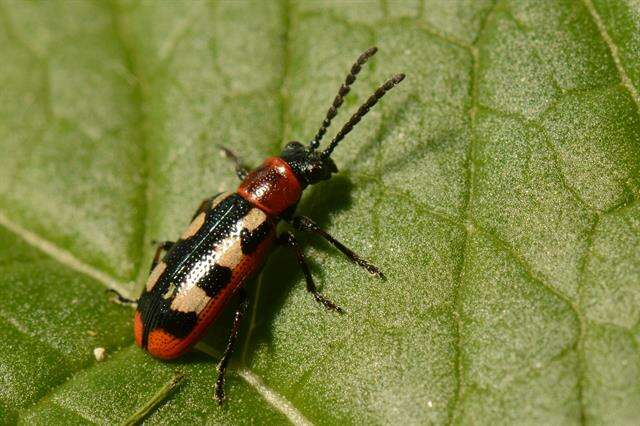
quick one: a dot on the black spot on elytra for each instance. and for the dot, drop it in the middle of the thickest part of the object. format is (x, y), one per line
(249, 241)
(216, 278)
(179, 324)
(156, 313)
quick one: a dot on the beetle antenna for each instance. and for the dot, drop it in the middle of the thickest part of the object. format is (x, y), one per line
(362, 111)
(342, 92)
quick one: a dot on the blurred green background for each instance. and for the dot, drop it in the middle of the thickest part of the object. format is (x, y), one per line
(497, 187)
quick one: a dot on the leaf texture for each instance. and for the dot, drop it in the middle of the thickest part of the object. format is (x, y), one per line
(497, 187)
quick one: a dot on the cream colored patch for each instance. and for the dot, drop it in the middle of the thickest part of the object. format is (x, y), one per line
(191, 300)
(219, 198)
(169, 293)
(155, 275)
(231, 255)
(198, 221)
(194, 226)
(253, 219)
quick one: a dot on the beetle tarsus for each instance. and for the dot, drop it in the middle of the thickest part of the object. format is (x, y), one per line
(219, 391)
(231, 343)
(327, 303)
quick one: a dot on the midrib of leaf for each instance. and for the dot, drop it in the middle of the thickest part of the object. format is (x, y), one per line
(61, 255)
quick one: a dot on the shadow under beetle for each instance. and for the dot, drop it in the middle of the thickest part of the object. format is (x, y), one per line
(230, 236)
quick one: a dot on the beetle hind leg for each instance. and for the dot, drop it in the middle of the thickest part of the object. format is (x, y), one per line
(231, 344)
(288, 239)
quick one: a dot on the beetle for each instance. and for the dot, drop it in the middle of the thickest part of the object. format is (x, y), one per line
(231, 235)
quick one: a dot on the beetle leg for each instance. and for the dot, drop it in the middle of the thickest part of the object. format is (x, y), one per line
(231, 343)
(163, 246)
(202, 207)
(121, 299)
(288, 239)
(241, 171)
(303, 223)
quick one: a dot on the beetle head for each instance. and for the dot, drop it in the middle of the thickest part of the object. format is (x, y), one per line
(309, 165)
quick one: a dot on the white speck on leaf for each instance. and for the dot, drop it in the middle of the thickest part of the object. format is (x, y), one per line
(100, 354)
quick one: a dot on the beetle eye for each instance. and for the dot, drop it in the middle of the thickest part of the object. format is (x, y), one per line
(293, 145)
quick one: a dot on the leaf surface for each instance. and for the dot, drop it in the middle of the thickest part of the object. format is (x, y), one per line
(497, 187)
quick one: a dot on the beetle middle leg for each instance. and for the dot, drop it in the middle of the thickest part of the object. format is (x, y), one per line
(163, 246)
(119, 298)
(288, 239)
(241, 171)
(303, 223)
(231, 343)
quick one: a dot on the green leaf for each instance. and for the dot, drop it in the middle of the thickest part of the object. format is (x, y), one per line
(497, 187)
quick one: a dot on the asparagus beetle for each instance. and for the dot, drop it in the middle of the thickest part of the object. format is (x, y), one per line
(230, 236)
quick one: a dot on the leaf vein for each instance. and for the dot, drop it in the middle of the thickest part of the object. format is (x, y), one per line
(73, 372)
(552, 149)
(274, 398)
(615, 54)
(580, 344)
(524, 265)
(63, 256)
(21, 329)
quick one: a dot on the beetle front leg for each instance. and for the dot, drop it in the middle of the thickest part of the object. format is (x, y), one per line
(303, 223)
(231, 343)
(163, 246)
(241, 171)
(288, 239)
